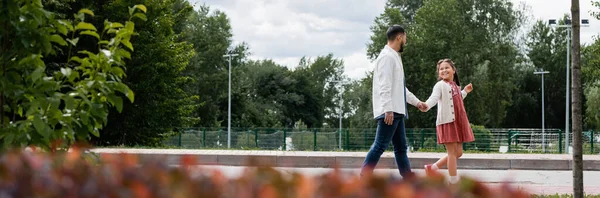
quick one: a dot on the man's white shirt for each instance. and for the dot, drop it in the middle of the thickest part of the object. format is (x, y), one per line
(388, 84)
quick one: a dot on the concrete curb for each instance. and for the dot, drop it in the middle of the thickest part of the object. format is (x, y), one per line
(344, 160)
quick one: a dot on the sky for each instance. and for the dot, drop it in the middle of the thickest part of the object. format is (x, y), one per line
(287, 30)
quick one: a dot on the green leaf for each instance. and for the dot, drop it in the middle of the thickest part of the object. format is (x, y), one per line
(76, 59)
(58, 39)
(116, 101)
(141, 7)
(20, 110)
(8, 139)
(91, 33)
(123, 88)
(69, 102)
(66, 71)
(85, 26)
(37, 74)
(116, 25)
(124, 53)
(62, 29)
(84, 115)
(127, 44)
(73, 41)
(90, 54)
(95, 132)
(73, 76)
(130, 95)
(38, 3)
(117, 71)
(86, 11)
(140, 16)
(39, 126)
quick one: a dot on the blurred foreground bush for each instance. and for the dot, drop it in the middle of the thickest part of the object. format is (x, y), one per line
(80, 174)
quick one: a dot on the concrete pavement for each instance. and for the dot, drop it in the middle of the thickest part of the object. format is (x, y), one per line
(532, 181)
(318, 159)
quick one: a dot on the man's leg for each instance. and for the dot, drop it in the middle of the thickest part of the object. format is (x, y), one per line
(382, 140)
(400, 149)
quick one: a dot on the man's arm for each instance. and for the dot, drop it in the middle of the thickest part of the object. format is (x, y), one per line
(385, 74)
(411, 98)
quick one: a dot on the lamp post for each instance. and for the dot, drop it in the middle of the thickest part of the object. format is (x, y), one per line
(341, 110)
(542, 72)
(229, 102)
(568, 25)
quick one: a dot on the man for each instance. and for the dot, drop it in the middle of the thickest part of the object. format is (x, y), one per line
(390, 98)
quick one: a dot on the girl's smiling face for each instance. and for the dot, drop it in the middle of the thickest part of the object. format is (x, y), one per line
(446, 71)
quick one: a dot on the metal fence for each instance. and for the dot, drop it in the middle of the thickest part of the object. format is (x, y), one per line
(355, 139)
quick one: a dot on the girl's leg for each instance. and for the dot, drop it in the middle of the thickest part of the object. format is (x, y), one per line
(441, 162)
(444, 160)
(459, 150)
(452, 157)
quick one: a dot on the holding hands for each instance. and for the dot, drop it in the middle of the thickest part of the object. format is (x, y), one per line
(422, 106)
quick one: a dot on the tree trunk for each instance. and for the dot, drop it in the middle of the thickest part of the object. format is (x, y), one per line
(576, 103)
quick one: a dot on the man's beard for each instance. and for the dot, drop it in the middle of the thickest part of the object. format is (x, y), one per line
(401, 48)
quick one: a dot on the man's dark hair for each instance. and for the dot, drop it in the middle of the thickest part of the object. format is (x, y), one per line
(393, 31)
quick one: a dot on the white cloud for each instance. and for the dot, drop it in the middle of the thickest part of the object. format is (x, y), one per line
(287, 30)
(555, 9)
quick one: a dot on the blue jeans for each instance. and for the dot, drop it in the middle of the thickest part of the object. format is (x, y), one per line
(386, 133)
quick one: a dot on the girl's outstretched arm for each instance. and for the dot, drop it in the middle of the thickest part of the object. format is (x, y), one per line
(466, 90)
(436, 95)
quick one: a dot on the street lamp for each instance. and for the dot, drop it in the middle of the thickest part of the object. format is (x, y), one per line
(229, 102)
(341, 110)
(542, 72)
(568, 25)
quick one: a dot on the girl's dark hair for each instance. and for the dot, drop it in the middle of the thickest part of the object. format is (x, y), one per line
(447, 60)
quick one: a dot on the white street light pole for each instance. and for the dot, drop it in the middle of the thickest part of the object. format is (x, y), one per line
(341, 110)
(229, 102)
(542, 72)
(568, 25)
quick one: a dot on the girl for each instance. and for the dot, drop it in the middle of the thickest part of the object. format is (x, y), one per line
(452, 124)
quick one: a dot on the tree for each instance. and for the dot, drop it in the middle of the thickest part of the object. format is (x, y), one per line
(51, 109)
(155, 74)
(210, 34)
(477, 35)
(576, 103)
(359, 95)
(591, 83)
(591, 79)
(322, 72)
(546, 50)
(261, 108)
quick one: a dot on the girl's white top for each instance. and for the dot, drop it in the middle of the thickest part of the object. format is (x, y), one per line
(442, 96)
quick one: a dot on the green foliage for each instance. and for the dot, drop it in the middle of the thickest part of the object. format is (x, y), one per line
(246, 140)
(54, 109)
(123, 175)
(155, 73)
(591, 83)
(483, 139)
(210, 34)
(476, 35)
(592, 105)
(305, 141)
(358, 96)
